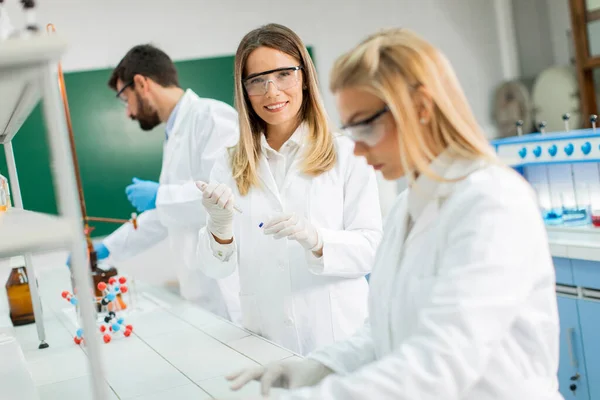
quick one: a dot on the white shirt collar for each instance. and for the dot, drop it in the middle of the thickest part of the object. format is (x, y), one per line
(425, 189)
(296, 140)
(173, 117)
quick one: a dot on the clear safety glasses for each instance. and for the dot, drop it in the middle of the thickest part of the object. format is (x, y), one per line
(120, 93)
(282, 78)
(368, 131)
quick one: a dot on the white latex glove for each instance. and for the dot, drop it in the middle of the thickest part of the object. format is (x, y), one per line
(291, 226)
(281, 374)
(217, 199)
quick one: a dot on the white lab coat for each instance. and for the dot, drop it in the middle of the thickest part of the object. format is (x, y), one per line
(201, 131)
(287, 294)
(465, 308)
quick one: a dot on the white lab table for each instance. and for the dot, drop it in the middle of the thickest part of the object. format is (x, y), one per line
(176, 351)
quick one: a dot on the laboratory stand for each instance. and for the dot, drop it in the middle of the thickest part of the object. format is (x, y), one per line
(28, 75)
(563, 169)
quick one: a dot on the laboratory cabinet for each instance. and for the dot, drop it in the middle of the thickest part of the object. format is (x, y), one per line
(589, 320)
(578, 298)
(563, 271)
(572, 374)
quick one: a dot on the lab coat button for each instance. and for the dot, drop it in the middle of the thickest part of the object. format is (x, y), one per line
(289, 321)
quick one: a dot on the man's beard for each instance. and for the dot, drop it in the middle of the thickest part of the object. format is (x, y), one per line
(147, 117)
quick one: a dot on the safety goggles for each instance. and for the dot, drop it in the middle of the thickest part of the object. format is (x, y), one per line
(119, 94)
(368, 131)
(282, 78)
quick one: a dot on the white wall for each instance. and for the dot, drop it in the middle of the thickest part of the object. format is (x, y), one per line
(592, 4)
(533, 36)
(507, 39)
(100, 32)
(559, 17)
(543, 34)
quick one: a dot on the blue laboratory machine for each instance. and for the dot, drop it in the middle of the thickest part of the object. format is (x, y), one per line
(563, 168)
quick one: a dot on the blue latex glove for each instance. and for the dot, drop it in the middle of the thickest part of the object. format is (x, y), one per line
(101, 253)
(142, 194)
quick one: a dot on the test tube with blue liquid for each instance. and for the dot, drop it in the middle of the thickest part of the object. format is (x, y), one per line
(575, 211)
(552, 213)
(542, 192)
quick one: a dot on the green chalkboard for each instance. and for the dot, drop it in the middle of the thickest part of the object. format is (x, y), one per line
(111, 148)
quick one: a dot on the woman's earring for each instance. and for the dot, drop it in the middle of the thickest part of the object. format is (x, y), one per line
(422, 121)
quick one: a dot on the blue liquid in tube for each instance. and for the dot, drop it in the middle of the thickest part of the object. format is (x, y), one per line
(576, 216)
(553, 216)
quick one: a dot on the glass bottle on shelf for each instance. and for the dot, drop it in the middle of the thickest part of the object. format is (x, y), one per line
(100, 273)
(19, 296)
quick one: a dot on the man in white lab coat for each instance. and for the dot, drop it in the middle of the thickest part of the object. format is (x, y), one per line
(197, 130)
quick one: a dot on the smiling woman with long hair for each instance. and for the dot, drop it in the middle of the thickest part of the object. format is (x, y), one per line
(310, 220)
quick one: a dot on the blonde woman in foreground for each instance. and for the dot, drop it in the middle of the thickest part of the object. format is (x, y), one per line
(310, 221)
(462, 302)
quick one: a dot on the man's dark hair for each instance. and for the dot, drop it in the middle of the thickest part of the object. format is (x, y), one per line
(148, 61)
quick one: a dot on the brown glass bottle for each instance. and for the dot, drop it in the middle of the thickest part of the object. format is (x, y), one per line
(19, 297)
(101, 275)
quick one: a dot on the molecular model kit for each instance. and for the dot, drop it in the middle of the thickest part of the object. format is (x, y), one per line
(111, 306)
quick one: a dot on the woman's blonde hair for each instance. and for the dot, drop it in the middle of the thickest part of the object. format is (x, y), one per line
(393, 65)
(320, 154)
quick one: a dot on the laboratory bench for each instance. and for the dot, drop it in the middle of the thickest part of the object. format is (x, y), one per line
(176, 351)
(575, 242)
(179, 351)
